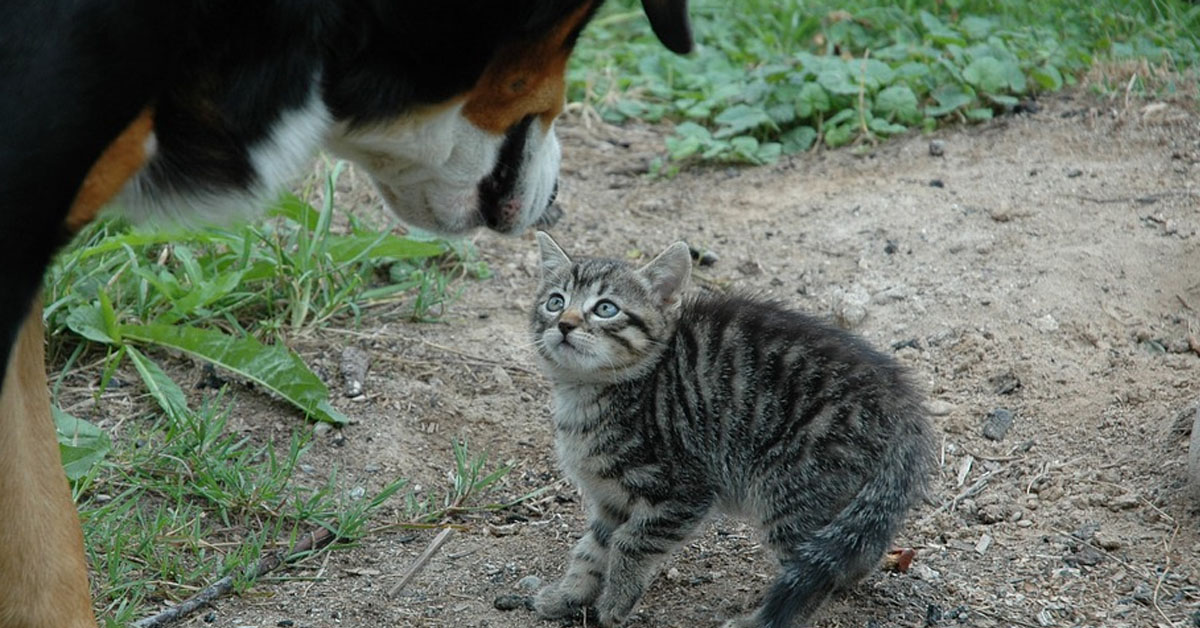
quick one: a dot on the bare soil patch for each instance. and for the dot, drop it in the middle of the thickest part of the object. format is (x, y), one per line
(1044, 264)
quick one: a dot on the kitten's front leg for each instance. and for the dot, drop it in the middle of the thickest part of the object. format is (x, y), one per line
(581, 585)
(638, 548)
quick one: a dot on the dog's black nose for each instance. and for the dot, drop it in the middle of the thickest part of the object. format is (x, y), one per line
(565, 327)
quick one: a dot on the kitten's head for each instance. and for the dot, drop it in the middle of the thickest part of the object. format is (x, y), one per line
(604, 321)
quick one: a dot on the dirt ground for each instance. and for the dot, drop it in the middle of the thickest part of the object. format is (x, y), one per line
(1045, 264)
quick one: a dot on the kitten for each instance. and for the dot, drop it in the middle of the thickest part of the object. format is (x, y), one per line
(669, 408)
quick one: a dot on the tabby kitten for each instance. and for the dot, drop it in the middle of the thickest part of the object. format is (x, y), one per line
(669, 408)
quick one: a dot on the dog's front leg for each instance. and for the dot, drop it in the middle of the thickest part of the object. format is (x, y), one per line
(43, 572)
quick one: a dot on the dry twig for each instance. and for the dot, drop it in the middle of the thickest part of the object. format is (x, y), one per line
(311, 541)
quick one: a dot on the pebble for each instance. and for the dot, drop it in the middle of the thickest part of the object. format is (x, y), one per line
(1143, 593)
(513, 602)
(321, 429)
(1108, 541)
(357, 492)
(1126, 501)
(502, 377)
(1046, 324)
(937, 148)
(354, 370)
(997, 424)
(926, 573)
(1006, 383)
(939, 407)
(529, 584)
(850, 306)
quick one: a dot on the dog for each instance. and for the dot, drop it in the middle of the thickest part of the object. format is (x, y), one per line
(194, 108)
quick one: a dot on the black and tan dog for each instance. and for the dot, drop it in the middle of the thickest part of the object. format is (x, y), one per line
(199, 107)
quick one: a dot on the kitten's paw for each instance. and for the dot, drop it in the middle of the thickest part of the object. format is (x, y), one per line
(613, 610)
(744, 621)
(553, 602)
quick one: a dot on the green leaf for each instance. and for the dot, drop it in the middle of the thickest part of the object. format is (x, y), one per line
(87, 321)
(798, 140)
(80, 444)
(837, 81)
(165, 391)
(812, 99)
(350, 248)
(990, 75)
(839, 135)
(272, 367)
(949, 98)
(898, 102)
(296, 210)
(740, 118)
(981, 113)
(1048, 77)
(883, 127)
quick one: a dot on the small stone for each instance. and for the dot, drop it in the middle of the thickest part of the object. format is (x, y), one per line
(513, 602)
(357, 493)
(997, 424)
(1074, 172)
(1005, 383)
(1046, 324)
(985, 542)
(1127, 501)
(102, 498)
(673, 574)
(354, 370)
(937, 148)
(529, 584)
(937, 183)
(1143, 594)
(210, 617)
(285, 623)
(321, 429)
(750, 268)
(850, 306)
(502, 377)
(939, 407)
(704, 257)
(1108, 541)
(925, 572)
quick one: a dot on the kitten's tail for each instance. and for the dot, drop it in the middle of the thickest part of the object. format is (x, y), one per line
(850, 546)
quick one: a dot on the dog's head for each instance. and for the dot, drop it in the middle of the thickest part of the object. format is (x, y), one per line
(474, 143)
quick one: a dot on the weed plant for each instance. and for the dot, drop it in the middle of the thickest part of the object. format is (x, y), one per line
(776, 77)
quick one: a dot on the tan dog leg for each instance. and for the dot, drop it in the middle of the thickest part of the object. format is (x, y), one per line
(43, 572)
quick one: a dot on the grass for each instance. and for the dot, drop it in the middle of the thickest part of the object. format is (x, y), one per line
(777, 77)
(176, 499)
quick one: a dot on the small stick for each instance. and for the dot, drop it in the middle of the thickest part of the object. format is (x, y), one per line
(311, 541)
(419, 564)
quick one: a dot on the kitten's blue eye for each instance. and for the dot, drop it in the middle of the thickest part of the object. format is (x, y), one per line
(555, 303)
(606, 309)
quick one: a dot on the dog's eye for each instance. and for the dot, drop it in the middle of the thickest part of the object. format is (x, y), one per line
(555, 303)
(606, 309)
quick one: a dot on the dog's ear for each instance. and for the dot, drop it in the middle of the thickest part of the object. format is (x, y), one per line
(669, 20)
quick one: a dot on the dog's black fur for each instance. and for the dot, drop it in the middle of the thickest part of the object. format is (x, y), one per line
(218, 73)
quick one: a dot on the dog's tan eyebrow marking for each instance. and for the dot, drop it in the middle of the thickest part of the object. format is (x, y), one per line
(123, 157)
(526, 78)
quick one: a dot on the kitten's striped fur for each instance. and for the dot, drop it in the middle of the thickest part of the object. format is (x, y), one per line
(668, 408)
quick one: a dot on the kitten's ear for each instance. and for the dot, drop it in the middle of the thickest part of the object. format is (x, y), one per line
(553, 257)
(669, 272)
